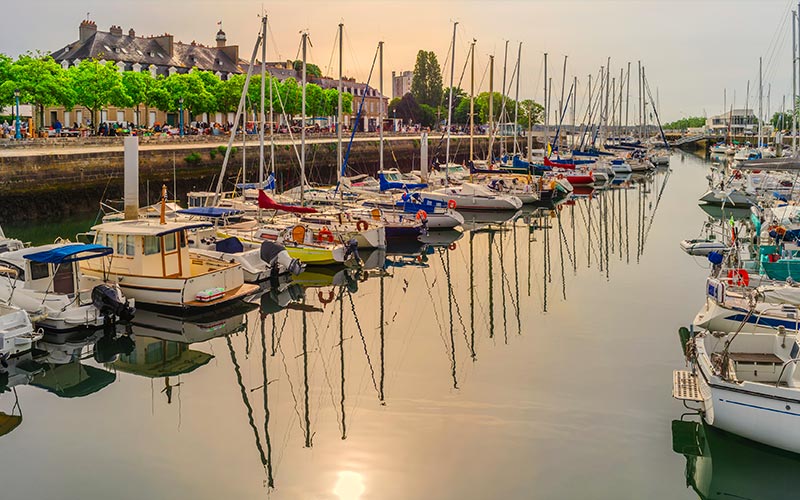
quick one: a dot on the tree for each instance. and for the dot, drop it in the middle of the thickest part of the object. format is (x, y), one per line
(781, 121)
(189, 87)
(684, 123)
(315, 100)
(157, 95)
(311, 69)
(41, 82)
(137, 85)
(529, 107)
(97, 85)
(426, 87)
(288, 98)
(5, 75)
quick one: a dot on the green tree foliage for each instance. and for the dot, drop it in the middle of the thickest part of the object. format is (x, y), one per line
(311, 69)
(461, 113)
(290, 98)
(137, 85)
(41, 82)
(426, 87)
(97, 85)
(406, 108)
(5, 75)
(781, 121)
(683, 123)
(191, 88)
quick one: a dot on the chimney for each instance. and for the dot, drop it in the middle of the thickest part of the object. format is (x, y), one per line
(115, 30)
(166, 42)
(221, 39)
(87, 30)
(132, 33)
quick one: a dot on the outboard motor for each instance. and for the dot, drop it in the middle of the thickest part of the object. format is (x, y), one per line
(276, 255)
(108, 348)
(108, 299)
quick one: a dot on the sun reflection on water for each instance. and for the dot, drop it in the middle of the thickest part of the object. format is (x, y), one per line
(349, 486)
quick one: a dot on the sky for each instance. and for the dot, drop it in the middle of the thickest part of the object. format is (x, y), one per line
(692, 50)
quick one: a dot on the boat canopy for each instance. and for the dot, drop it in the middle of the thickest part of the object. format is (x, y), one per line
(215, 212)
(70, 253)
(141, 227)
(386, 184)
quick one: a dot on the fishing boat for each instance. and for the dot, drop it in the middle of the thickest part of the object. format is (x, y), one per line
(469, 196)
(152, 263)
(746, 383)
(48, 283)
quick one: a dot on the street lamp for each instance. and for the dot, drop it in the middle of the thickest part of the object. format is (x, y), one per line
(180, 102)
(16, 125)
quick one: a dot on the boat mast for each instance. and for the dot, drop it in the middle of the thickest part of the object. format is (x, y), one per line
(490, 159)
(574, 103)
(561, 101)
(627, 95)
(380, 113)
(472, 100)
(795, 21)
(760, 99)
(608, 89)
(546, 111)
(263, 98)
(303, 128)
(450, 105)
(516, 99)
(503, 102)
(339, 112)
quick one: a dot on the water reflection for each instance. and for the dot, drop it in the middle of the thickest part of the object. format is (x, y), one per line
(720, 465)
(304, 361)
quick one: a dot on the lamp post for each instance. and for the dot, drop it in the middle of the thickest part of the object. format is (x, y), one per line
(16, 124)
(180, 102)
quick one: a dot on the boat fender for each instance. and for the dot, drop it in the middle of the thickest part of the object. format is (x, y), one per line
(422, 215)
(325, 234)
(362, 225)
(773, 257)
(323, 300)
(452, 246)
(451, 204)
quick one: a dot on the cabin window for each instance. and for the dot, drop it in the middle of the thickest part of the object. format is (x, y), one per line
(169, 242)
(130, 245)
(152, 244)
(39, 270)
(120, 245)
(182, 237)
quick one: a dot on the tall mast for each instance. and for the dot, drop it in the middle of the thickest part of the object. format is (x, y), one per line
(380, 106)
(546, 111)
(491, 109)
(794, 82)
(303, 126)
(450, 105)
(516, 98)
(339, 111)
(561, 101)
(760, 98)
(627, 95)
(574, 101)
(619, 109)
(641, 131)
(471, 100)
(261, 163)
(503, 103)
(608, 89)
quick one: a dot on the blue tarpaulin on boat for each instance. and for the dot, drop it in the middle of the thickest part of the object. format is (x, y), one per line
(70, 253)
(209, 211)
(385, 185)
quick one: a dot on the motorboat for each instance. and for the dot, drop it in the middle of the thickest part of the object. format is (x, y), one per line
(151, 262)
(469, 196)
(47, 282)
(17, 334)
(729, 197)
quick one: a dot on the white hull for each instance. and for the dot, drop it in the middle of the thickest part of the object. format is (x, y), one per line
(476, 202)
(732, 198)
(17, 334)
(448, 220)
(702, 247)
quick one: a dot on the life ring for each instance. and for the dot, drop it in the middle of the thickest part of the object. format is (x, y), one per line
(323, 299)
(421, 215)
(325, 234)
(739, 277)
(362, 225)
(560, 176)
(452, 246)
(780, 230)
(451, 204)
(737, 174)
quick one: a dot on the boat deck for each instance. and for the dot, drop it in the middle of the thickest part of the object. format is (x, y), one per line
(755, 358)
(684, 386)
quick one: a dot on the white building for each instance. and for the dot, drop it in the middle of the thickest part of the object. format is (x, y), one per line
(401, 83)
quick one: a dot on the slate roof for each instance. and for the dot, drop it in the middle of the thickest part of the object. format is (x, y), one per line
(147, 51)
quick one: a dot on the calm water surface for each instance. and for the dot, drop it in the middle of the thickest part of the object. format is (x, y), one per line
(524, 360)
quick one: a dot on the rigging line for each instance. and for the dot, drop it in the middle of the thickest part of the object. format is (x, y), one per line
(561, 256)
(270, 479)
(329, 69)
(246, 401)
(291, 387)
(363, 342)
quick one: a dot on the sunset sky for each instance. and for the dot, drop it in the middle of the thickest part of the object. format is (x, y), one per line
(692, 50)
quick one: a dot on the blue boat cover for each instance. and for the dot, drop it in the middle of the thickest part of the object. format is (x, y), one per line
(385, 185)
(70, 253)
(230, 245)
(209, 211)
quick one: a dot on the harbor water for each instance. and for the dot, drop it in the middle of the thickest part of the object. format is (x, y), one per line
(530, 358)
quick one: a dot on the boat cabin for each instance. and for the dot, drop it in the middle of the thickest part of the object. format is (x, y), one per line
(50, 268)
(147, 248)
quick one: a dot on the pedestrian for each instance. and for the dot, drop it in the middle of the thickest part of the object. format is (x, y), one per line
(57, 126)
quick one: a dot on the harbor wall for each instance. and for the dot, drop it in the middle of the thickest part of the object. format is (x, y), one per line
(48, 184)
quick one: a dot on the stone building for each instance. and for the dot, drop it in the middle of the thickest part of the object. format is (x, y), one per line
(162, 55)
(401, 83)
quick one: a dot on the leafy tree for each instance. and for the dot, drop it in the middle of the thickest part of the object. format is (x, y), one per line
(426, 86)
(290, 98)
(41, 82)
(529, 107)
(5, 75)
(138, 85)
(427, 116)
(97, 85)
(781, 121)
(157, 96)
(311, 69)
(315, 100)
(683, 123)
(406, 108)
(191, 88)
